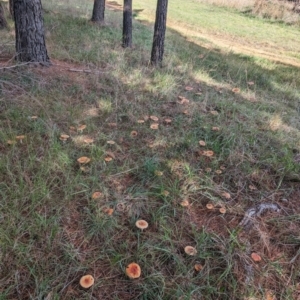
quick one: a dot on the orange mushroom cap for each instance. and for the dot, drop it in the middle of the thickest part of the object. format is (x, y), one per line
(141, 224)
(86, 281)
(133, 271)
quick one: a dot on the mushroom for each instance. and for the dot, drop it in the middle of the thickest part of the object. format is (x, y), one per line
(81, 127)
(255, 257)
(83, 160)
(185, 203)
(154, 118)
(202, 143)
(96, 195)
(88, 141)
(154, 126)
(209, 206)
(198, 267)
(190, 250)
(20, 138)
(64, 137)
(141, 224)
(133, 133)
(86, 281)
(222, 210)
(133, 270)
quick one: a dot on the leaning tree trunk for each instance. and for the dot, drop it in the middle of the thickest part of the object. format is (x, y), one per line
(98, 11)
(127, 23)
(157, 52)
(29, 27)
(3, 22)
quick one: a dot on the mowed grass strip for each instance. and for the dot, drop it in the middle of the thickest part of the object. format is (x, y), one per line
(53, 230)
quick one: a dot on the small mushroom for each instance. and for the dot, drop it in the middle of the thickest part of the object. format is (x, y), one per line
(133, 133)
(141, 224)
(185, 203)
(154, 126)
(154, 118)
(226, 195)
(202, 143)
(83, 160)
(86, 281)
(133, 271)
(81, 127)
(222, 210)
(20, 138)
(198, 267)
(88, 140)
(64, 137)
(96, 195)
(190, 250)
(210, 206)
(255, 257)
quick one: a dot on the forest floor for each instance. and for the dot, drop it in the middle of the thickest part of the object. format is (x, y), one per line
(206, 149)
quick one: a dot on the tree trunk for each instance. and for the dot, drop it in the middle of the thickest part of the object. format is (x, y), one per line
(159, 32)
(29, 27)
(11, 8)
(127, 23)
(98, 11)
(3, 23)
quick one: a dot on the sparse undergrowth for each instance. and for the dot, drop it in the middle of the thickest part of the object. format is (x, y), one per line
(226, 134)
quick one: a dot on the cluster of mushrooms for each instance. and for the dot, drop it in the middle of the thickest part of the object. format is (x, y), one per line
(133, 270)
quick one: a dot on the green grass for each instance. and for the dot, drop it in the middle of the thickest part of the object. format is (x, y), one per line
(51, 230)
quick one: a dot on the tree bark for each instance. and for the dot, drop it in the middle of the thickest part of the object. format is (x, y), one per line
(98, 11)
(3, 22)
(11, 8)
(127, 23)
(29, 28)
(157, 52)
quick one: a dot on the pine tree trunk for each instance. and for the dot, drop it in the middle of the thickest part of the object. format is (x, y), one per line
(127, 23)
(157, 52)
(29, 28)
(11, 8)
(3, 22)
(98, 11)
